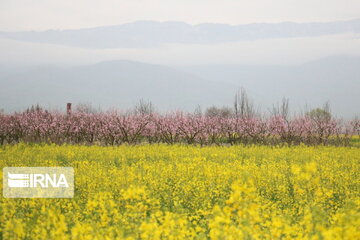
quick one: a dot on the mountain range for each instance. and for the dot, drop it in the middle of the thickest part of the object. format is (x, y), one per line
(145, 34)
(120, 84)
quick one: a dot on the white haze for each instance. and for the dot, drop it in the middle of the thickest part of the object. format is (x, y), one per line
(29, 15)
(260, 52)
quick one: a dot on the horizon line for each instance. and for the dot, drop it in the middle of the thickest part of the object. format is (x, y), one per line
(186, 23)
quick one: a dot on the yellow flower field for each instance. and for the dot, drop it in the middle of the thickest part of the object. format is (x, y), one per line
(189, 192)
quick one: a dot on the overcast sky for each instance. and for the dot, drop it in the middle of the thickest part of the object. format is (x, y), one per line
(18, 15)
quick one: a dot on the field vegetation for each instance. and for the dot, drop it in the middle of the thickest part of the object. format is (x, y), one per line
(190, 192)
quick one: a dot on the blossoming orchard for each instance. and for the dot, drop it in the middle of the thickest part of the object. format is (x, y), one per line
(114, 128)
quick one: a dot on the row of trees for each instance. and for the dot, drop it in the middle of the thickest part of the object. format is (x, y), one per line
(243, 126)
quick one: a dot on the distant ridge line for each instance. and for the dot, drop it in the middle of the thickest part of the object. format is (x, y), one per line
(147, 34)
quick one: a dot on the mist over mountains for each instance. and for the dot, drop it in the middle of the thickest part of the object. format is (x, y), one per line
(113, 84)
(334, 79)
(145, 34)
(120, 84)
(170, 65)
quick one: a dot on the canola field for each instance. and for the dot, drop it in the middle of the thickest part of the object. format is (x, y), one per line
(190, 192)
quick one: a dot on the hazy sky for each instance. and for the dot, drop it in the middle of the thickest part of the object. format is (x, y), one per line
(268, 52)
(18, 15)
